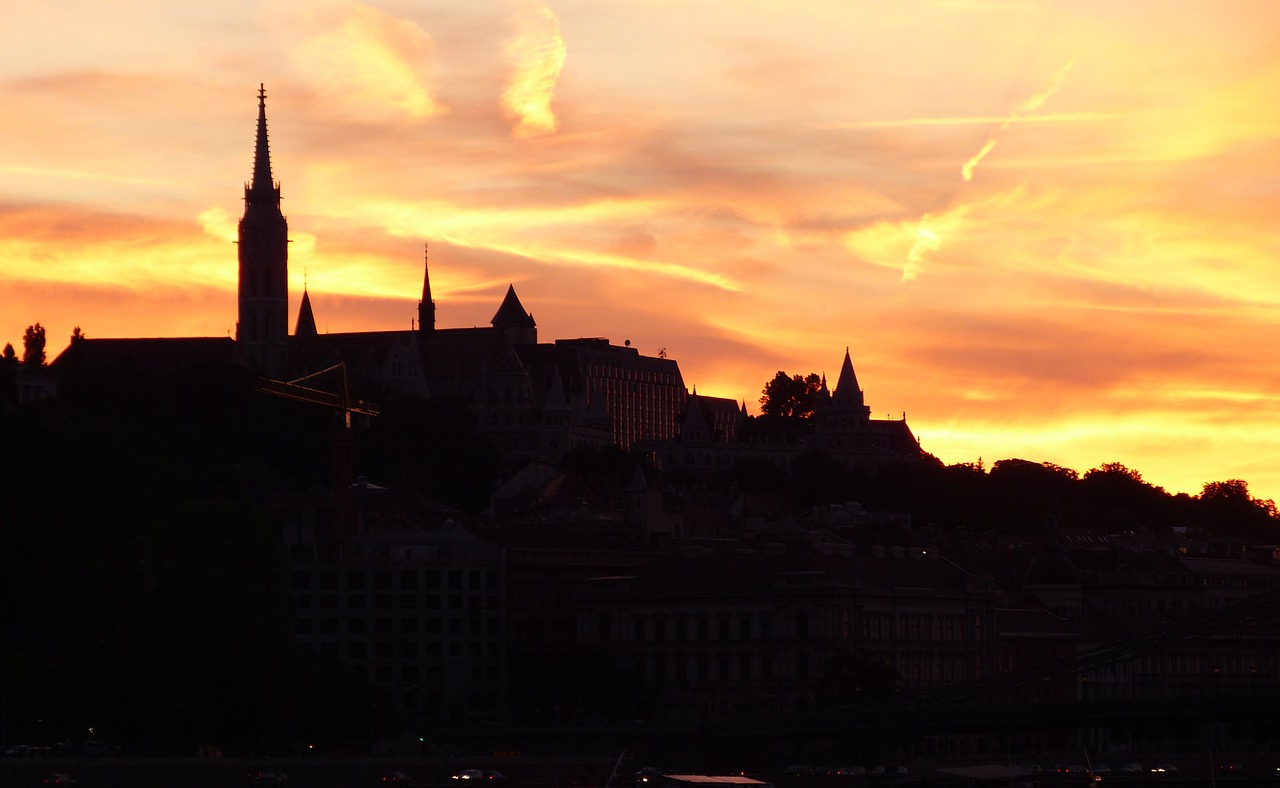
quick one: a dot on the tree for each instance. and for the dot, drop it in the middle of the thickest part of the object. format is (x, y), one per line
(77, 336)
(33, 346)
(1230, 509)
(791, 397)
(10, 354)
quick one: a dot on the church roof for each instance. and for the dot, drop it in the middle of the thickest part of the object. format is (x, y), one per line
(159, 354)
(512, 313)
(694, 419)
(464, 352)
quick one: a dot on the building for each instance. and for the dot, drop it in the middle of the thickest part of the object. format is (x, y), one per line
(409, 597)
(720, 634)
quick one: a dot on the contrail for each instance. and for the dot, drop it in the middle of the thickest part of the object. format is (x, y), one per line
(1030, 105)
(977, 120)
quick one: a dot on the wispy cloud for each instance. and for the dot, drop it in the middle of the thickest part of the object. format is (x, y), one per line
(359, 56)
(537, 53)
(1031, 104)
(977, 120)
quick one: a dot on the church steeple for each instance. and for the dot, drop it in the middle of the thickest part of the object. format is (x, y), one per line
(262, 183)
(306, 326)
(262, 327)
(847, 397)
(427, 306)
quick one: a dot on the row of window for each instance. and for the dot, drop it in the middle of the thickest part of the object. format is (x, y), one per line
(388, 580)
(426, 601)
(612, 372)
(658, 627)
(682, 627)
(918, 626)
(430, 627)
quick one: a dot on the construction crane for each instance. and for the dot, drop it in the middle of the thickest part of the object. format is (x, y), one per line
(340, 401)
(343, 524)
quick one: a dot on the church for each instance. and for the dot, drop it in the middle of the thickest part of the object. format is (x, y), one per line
(533, 399)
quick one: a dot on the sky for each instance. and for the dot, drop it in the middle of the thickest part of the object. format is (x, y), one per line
(1044, 229)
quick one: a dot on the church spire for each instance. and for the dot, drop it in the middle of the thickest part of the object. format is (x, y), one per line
(262, 330)
(262, 183)
(306, 326)
(427, 306)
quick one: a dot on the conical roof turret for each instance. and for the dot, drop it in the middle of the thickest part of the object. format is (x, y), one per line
(511, 314)
(306, 326)
(847, 383)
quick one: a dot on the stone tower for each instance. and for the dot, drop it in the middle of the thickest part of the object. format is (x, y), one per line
(262, 326)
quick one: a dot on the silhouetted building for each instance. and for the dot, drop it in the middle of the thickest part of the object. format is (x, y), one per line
(262, 329)
(412, 599)
(716, 635)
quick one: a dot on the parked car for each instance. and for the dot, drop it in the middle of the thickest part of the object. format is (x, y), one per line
(268, 778)
(58, 778)
(397, 778)
(1163, 768)
(1131, 768)
(1232, 768)
(852, 771)
(469, 774)
(648, 773)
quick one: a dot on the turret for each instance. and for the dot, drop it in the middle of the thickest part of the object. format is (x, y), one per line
(515, 321)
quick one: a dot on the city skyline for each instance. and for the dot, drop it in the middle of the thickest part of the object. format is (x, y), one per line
(1044, 230)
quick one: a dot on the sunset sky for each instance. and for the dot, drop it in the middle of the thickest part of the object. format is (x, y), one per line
(1044, 229)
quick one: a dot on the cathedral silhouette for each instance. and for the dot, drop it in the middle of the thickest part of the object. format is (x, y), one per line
(533, 399)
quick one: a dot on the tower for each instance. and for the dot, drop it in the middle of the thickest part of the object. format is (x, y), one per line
(512, 318)
(262, 326)
(427, 306)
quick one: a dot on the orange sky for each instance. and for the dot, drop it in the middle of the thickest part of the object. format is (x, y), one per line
(1045, 230)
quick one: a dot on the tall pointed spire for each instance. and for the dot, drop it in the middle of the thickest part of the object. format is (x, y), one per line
(306, 326)
(427, 306)
(262, 183)
(262, 325)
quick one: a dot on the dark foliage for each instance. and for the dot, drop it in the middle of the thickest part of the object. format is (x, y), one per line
(431, 445)
(143, 585)
(790, 397)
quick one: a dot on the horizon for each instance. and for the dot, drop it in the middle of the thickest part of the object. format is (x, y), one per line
(1044, 230)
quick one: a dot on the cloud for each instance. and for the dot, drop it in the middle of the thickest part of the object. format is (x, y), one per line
(538, 54)
(1031, 104)
(363, 58)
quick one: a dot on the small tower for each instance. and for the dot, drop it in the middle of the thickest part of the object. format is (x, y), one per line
(262, 326)
(515, 321)
(306, 326)
(847, 399)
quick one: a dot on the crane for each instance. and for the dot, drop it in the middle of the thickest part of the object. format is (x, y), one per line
(342, 464)
(340, 401)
